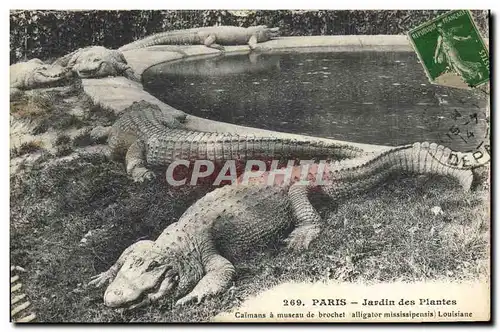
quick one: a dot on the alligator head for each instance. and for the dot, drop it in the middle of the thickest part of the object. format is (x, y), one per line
(149, 274)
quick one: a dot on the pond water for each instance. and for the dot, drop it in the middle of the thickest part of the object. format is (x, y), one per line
(366, 97)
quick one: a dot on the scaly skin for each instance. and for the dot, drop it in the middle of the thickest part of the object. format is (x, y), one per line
(34, 74)
(97, 61)
(149, 137)
(192, 258)
(212, 37)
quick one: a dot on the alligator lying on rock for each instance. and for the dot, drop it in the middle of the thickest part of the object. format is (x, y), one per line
(97, 61)
(148, 136)
(212, 37)
(34, 74)
(192, 258)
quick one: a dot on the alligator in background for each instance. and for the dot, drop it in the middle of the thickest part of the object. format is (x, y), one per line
(34, 74)
(213, 37)
(193, 258)
(149, 137)
(96, 62)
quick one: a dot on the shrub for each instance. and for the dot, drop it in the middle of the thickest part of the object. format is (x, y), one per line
(49, 33)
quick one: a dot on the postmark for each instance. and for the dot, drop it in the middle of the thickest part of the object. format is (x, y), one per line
(450, 46)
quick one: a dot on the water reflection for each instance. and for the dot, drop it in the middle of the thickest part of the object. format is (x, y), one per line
(368, 97)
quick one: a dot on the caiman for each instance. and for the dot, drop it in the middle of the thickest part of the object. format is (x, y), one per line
(149, 137)
(193, 257)
(213, 37)
(34, 74)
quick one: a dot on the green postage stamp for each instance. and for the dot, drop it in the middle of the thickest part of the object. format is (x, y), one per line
(451, 44)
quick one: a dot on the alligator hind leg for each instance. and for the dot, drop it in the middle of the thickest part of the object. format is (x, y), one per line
(308, 221)
(135, 162)
(219, 274)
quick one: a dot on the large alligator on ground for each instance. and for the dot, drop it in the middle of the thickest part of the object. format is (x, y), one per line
(193, 258)
(34, 74)
(149, 137)
(213, 37)
(96, 62)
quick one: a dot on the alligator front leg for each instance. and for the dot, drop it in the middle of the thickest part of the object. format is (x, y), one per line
(107, 276)
(308, 221)
(219, 274)
(136, 163)
(210, 42)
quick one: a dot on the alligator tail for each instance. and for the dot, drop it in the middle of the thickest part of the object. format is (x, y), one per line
(64, 60)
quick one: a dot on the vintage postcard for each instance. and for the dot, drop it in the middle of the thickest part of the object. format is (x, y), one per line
(249, 166)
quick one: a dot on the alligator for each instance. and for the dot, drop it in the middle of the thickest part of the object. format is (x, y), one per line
(213, 37)
(97, 61)
(149, 137)
(193, 258)
(34, 74)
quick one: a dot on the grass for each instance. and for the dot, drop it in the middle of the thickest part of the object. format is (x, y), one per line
(386, 235)
(58, 121)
